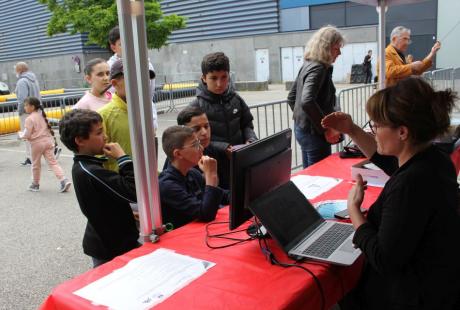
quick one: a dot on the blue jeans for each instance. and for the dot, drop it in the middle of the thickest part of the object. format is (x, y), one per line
(314, 147)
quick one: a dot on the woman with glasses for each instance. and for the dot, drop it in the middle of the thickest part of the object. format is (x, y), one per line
(186, 194)
(411, 235)
(312, 95)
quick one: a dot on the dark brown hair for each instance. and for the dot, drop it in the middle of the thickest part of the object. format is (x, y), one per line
(185, 116)
(413, 103)
(174, 138)
(90, 65)
(215, 62)
(77, 123)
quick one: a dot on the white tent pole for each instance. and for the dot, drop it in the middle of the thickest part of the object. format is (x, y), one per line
(131, 17)
(381, 8)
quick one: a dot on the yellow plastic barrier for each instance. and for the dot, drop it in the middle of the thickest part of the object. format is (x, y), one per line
(7, 97)
(4, 98)
(10, 124)
(175, 86)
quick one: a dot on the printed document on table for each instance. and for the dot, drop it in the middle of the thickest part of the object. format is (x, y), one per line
(313, 186)
(145, 281)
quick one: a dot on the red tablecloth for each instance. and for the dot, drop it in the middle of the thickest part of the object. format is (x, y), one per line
(242, 277)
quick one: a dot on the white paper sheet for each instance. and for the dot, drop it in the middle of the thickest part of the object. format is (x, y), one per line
(145, 281)
(313, 186)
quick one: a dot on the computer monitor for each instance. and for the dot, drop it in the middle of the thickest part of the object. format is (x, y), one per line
(256, 169)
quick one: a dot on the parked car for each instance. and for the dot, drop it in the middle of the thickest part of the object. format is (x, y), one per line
(4, 90)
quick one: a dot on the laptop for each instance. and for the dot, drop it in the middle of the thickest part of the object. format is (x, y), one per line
(300, 230)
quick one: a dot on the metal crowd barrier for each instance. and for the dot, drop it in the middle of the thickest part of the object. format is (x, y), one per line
(269, 117)
(442, 79)
(169, 96)
(456, 79)
(275, 116)
(55, 107)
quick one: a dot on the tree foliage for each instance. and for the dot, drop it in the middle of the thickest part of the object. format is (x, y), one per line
(97, 17)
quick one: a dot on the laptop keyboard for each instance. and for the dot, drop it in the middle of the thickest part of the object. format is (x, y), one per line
(329, 241)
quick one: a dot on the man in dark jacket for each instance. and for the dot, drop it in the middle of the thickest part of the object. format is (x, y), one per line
(104, 196)
(228, 114)
(367, 67)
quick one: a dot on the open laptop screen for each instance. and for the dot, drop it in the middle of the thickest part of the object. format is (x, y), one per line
(286, 214)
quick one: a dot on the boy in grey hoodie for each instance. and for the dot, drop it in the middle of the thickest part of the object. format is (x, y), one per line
(26, 86)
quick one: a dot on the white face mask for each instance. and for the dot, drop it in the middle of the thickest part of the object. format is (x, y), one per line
(17, 75)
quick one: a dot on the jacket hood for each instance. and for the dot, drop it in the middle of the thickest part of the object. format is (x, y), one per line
(203, 92)
(28, 75)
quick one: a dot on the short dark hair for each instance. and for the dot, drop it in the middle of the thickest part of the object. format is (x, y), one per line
(413, 103)
(114, 35)
(174, 138)
(90, 65)
(215, 62)
(185, 116)
(77, 123)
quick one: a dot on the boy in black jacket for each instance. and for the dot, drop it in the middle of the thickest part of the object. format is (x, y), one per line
(104, 196)
(228, 114)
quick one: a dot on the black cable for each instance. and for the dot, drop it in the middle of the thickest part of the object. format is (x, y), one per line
(222, 236)
(274, 261)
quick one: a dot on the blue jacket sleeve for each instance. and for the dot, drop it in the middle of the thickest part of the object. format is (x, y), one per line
(181, 206)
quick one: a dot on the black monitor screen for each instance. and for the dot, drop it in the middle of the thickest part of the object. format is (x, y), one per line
(256, 169)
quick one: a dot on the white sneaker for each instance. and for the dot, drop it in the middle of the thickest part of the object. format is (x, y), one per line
(65, 185)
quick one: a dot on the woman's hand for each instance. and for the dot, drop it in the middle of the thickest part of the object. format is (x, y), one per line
(338, 121)
(332, 136)
(355, 199)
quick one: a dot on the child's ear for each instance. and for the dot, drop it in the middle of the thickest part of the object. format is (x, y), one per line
(203, 79)
(79, 141)
(113, 48)
(176, 154)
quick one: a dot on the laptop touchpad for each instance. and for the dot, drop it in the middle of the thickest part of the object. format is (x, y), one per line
(347, 246)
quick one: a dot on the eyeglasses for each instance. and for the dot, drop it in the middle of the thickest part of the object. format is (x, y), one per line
(196, 144)
(373, 126)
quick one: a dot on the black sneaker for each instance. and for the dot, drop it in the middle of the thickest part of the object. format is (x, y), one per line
(26, 162)
(57, 152)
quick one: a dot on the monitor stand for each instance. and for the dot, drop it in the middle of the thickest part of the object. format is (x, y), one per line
(257, 231)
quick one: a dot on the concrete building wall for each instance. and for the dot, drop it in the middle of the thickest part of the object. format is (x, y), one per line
(448, 34)
(180, 58)
(52, 72)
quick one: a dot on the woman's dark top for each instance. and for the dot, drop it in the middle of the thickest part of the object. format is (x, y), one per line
(412, 238)
(312, 96)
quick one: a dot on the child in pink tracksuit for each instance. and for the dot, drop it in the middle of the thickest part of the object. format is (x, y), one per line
(40, 135)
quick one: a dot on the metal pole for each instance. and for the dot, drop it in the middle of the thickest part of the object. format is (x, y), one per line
(131, 17)
(381, 8)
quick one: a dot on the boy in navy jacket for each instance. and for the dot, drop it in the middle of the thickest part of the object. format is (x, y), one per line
(185, 193)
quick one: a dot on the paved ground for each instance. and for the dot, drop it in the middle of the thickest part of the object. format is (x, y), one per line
(41, 232)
